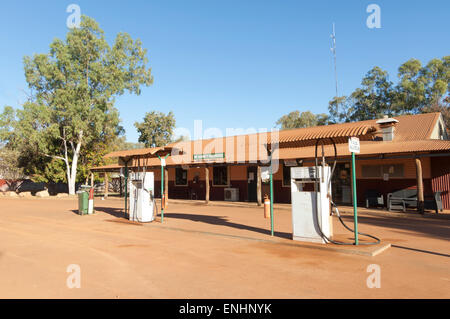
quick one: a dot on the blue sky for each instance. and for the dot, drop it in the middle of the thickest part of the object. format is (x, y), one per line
(234, 64)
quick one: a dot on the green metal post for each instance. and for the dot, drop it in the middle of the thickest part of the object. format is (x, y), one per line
(355, 207)
(126, 187)
(162, 187)
(271, 200)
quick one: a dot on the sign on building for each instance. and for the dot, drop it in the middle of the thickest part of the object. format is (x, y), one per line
(200, 157)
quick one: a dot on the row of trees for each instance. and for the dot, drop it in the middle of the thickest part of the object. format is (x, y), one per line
(420, 89)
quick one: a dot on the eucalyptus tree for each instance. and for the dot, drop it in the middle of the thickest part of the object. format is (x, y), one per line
(156, 129)
(73, 91)
(295, 119)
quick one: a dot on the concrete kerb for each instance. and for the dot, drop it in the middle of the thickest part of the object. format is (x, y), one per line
(362, 250)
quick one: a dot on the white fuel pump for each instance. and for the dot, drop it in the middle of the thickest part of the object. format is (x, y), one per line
(141, 197)
(311, 212)
(312, 206)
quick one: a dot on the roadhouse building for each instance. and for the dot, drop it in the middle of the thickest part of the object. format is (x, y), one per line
(396, 154)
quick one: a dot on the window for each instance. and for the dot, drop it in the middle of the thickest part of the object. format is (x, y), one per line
(220, 176)
(378, 171)
(394, 170)
(180, 176)
(371, 171)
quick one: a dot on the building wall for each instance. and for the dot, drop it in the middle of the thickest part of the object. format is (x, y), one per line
(408, 181)
(441, 179)
(196, 188)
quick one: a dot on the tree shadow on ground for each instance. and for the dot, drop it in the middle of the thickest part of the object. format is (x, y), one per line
(223, 221)
(436, 228)
(421, 251)
(116, 212)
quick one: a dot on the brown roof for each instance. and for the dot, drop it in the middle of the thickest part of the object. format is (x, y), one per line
(338, 132)
(367, 148)
(107, 168)
(412, 127)
(412, 134)
(141, 152)
(370, 148)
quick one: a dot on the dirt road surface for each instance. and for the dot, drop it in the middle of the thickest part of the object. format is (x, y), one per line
(207, 252)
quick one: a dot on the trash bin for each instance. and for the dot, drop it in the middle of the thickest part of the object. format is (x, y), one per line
(83, 202)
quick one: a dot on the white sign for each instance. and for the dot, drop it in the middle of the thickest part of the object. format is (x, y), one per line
(163, 162)
(290, 163)
(353, 145)
(265, 174)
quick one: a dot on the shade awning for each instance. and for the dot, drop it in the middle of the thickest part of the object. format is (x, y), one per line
(142, 152)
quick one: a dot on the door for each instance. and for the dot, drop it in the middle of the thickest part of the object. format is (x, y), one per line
(251, 183)
(341, 184)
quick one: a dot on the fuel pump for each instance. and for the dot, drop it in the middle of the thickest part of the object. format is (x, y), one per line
(142, 203)
(311, 214)
(312, 201)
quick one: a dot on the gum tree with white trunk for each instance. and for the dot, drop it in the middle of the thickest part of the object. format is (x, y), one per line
(73, 90)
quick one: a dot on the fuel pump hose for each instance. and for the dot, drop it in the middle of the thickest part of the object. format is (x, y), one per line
(336, 208)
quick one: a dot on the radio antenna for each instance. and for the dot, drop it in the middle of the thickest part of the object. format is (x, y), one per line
(333, 50)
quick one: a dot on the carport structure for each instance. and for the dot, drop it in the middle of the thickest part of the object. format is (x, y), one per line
(135, 160)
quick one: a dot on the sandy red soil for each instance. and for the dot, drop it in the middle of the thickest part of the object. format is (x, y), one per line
(208, 252)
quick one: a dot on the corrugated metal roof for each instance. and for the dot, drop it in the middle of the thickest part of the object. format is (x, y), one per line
(142, 152)
(367, 148)
(411, 127)
(412, 134)
(370, 148)
(107, 168)
(334, 131)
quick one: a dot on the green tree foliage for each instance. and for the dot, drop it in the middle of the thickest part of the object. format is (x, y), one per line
(71, 113)
(373, 99)
(121, 144)
(7, 118)
(296, 119)
(9, 164)
(156, 129)
(419, 89)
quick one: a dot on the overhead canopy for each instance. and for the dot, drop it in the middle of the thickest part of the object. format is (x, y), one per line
(126, 156)
(142, 152)
(339, 133)
(107, 168)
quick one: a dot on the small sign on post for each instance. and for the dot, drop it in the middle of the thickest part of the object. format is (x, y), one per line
(265, 174)
(353, 145)
(163, 161)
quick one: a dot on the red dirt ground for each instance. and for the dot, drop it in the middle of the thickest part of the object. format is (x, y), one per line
(210, 251)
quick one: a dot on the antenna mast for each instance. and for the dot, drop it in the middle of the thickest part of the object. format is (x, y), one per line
(333, 50)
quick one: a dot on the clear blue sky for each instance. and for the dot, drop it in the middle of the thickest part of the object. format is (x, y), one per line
(236, 64)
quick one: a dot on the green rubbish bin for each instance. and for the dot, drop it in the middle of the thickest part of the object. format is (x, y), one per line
(83, 202)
